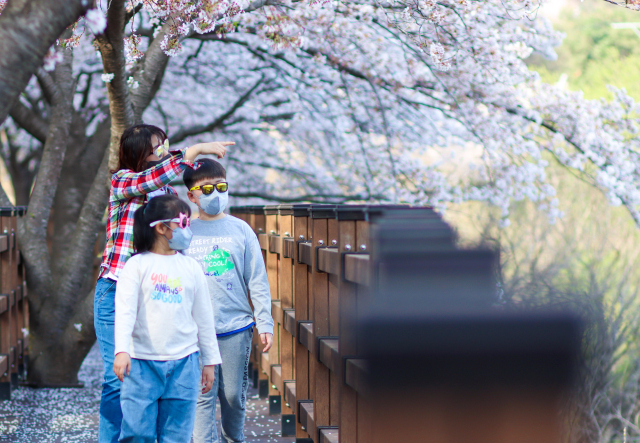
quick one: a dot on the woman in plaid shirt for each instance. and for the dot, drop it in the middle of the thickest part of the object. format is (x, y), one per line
(145, 170)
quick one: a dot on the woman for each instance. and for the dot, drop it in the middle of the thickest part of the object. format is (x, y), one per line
(145, 170)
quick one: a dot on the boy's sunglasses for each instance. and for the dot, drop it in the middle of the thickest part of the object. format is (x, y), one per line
(183, 221)
(208, 189)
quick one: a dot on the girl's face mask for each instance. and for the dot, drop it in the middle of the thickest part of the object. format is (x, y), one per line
(214, 203)
(181, 238)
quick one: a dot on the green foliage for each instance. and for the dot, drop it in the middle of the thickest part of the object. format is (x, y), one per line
(593, 54)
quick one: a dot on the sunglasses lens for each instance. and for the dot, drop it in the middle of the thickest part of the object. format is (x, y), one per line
(183, 223)
(207, 189)
(222, 187)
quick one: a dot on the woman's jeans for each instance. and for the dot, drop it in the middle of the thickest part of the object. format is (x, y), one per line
(104, 312)
(230, 385)
(159, 400)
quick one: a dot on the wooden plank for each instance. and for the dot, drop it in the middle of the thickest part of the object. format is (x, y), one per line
(4, 303)
(264, 362)
(276, 377)
(275, 244)
(288, 247)
(276, 311)
(4, 242)
(307, 418)
(329, 260)
(329, 436)
(264, 241)
(271, 227)
(355, 375)
(6, 287)
(306, 337)
(286, 362)
(290, 393)
(365, 421)
(348, 420)
(289, 321)
(329, 353)
(356, 268)
(301, 306)
(335, 382)
(4, 364)
(304, 253)
(320, 294)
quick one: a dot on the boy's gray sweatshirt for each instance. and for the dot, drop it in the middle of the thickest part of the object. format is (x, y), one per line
(230, 255)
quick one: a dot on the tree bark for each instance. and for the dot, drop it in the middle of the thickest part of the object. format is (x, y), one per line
(28, 28)
(111, 45)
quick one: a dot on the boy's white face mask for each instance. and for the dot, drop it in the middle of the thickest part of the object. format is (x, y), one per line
(214, 203)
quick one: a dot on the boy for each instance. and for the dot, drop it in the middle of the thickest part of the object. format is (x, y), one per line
(229, 252)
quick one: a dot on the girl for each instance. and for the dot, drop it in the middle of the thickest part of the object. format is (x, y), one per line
(145, 169)
(163, 315)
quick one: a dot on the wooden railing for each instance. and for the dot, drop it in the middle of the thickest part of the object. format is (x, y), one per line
(14, 310)
(331, 269)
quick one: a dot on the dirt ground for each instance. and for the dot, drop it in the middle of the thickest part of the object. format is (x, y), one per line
(71, 415)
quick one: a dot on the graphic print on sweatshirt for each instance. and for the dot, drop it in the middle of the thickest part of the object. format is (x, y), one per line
(215, 259)
(166, 289)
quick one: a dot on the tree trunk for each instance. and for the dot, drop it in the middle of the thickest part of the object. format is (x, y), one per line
(28, 28)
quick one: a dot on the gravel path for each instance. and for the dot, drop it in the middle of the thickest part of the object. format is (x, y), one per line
(71, 415)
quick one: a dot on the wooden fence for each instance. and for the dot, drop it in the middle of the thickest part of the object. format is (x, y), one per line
(14, 309)
(319, 268)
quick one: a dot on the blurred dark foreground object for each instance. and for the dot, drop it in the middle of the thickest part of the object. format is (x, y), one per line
(444, 363)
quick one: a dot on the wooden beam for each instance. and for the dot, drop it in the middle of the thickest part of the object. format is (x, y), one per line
(329, 354)
(264, 241)
(304, 253)
(306, 336)
(356, 268)
(288, 246)
(289, 321)
(275, 244)
(329, 260)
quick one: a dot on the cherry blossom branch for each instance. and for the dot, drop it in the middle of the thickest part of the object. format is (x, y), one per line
(201, 129)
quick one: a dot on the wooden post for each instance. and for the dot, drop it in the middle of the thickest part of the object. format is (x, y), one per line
(320, 383)
(439, 353)
(285, 289)
(301, 306)
(347, 243)
(16, 309)
(271, 229)
(7, 353)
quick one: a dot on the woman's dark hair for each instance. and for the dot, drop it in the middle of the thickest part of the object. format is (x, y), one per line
(207, 169)
(136, 146)
(163, 207)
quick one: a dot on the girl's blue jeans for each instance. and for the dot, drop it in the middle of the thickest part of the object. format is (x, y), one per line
(159, 400)
(104, 317)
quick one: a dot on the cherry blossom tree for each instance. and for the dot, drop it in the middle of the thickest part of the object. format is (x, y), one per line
(329, 101)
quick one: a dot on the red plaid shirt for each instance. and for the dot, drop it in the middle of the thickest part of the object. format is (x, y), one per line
(129, 192)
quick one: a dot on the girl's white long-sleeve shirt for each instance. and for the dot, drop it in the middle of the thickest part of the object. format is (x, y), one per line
(163, 309)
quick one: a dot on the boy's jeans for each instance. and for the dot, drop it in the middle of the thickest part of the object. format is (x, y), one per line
(159, 400)
(104, 317)
(231, 383)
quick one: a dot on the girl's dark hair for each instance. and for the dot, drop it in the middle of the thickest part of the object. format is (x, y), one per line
(136, 146)
(163, 207)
